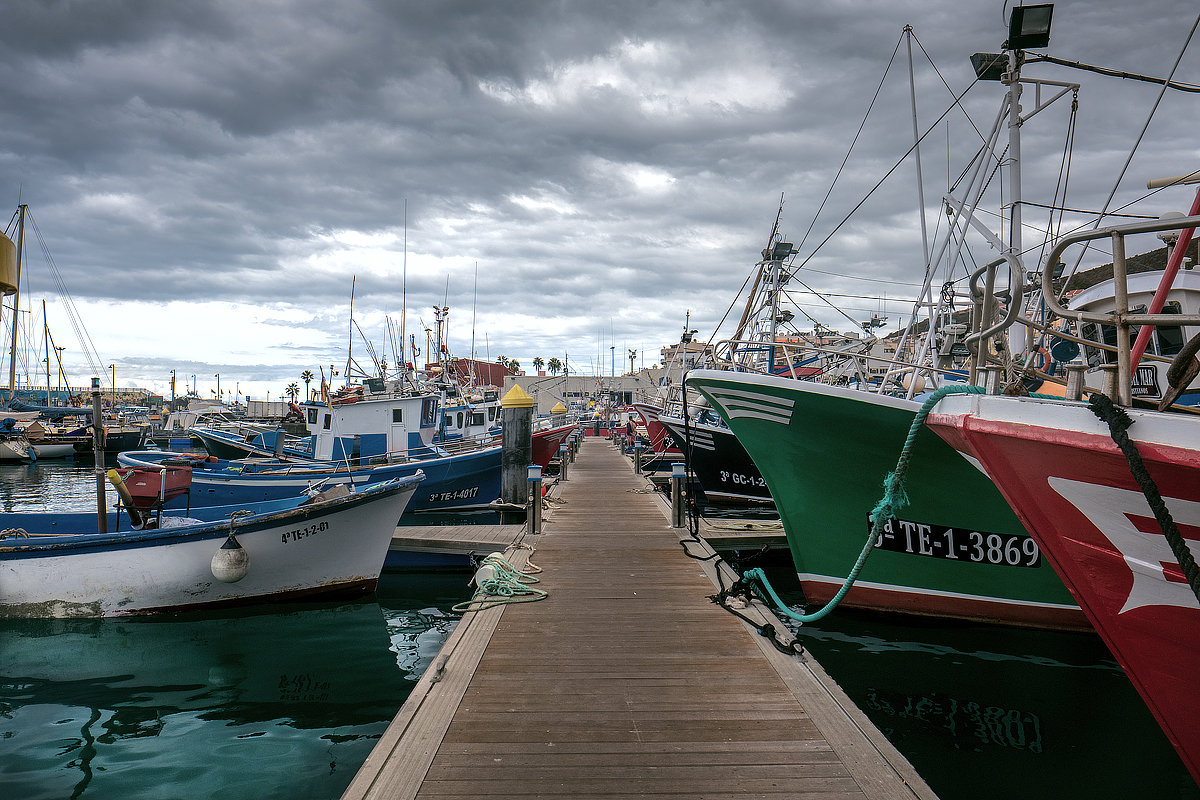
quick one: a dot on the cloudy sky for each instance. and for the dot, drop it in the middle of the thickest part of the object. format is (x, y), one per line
(208, 181)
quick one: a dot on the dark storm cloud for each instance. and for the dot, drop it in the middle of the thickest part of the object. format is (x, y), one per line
(608, 166)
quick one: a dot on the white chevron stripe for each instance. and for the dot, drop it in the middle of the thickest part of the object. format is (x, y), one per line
(765, 399)
(755, 406)
(751, 413)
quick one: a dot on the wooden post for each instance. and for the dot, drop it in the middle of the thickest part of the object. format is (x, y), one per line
(534, 515)
(516, 419)
(678, 475)
(98, 456)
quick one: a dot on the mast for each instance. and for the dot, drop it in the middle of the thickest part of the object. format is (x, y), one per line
(474, 304)
(12, 353)
(350, 335)
(46, 334)
(404, 299)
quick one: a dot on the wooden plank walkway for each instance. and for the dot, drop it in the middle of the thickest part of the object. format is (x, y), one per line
(627, 681)
(458, 539)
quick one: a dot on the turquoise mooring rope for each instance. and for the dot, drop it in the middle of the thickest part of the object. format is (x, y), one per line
(507, 585)
(894, 498)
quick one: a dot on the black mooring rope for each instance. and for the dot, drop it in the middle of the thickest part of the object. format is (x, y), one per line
(1118, 424)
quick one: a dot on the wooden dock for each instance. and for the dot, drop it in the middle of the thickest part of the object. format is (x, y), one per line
(626, 681)
(455, 539)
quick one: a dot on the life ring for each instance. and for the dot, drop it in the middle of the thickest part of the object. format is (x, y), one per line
(1041, 360)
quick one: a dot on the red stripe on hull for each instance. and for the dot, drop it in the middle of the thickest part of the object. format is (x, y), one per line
(925, 604)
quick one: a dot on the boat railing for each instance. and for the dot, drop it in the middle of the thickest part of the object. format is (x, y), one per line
(836, 359)
(1120, 317)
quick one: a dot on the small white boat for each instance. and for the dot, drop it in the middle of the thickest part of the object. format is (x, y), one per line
(320, 546)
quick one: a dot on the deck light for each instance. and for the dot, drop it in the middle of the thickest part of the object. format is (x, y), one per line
(989, 66)
(1029, 26)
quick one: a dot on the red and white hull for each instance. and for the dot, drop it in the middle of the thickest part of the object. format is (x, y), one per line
(660, 438)
(1056, 464)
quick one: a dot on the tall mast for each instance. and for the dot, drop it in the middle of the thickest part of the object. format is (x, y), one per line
(404, 299)
(12, 353)
(350, 336)
(46, 334)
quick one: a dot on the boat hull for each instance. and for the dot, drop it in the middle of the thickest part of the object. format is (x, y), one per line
(719, 461)
(464, 481)
(546, 443)
(660, 439)
(957, 551)
(1072, 487)
(333, 547)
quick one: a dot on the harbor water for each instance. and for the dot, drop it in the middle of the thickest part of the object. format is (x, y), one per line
(287, 701)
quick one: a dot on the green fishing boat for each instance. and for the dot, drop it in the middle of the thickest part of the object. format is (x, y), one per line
(955, 550)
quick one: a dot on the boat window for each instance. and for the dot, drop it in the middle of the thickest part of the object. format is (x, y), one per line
(1107, 335)
(460, 419)
(491, 413)
(1094, 355)
(1170, 337)
(397, 415)
(328, 421)
(477, 418)
(429, 412)
(448, 421)
(312, 416)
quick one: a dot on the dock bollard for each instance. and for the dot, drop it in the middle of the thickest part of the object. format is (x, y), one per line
(574, 446)
(677, 476)
(637, 458)
(562, 460)
(535, 498)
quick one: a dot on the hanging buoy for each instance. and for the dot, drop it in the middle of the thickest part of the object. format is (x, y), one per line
(231, 562)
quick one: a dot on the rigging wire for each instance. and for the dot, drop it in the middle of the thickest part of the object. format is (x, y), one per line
(82, 336)
(853, 141)
(1145, 126)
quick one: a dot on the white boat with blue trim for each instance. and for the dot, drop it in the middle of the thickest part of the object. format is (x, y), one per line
(59, 566)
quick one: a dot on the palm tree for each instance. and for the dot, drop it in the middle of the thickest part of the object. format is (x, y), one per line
(554, 365)
(292, 390)
(538, 363)
(307, 377)
(514, 365)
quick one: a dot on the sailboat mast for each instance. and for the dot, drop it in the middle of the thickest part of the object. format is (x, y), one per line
(474, 305)
(404, 300)
(46, 335)
(12, 353)
(350, 335)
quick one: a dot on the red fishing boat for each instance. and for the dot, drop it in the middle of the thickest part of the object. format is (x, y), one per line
(546, 443)
(660, 439)
(1072, 487)
(1110, 491)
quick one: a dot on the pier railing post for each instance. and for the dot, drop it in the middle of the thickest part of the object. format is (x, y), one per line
(637, 458)
(98, 456)
(677, 476)
(516, 419)
(534, 480)
(563, 459)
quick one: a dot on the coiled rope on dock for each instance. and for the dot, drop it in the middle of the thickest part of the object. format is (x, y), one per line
(499, 583)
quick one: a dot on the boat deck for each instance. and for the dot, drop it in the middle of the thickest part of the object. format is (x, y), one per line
(626, 681)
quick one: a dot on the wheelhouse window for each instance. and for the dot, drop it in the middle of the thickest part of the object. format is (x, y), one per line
(397, 415)
(1165, 340)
